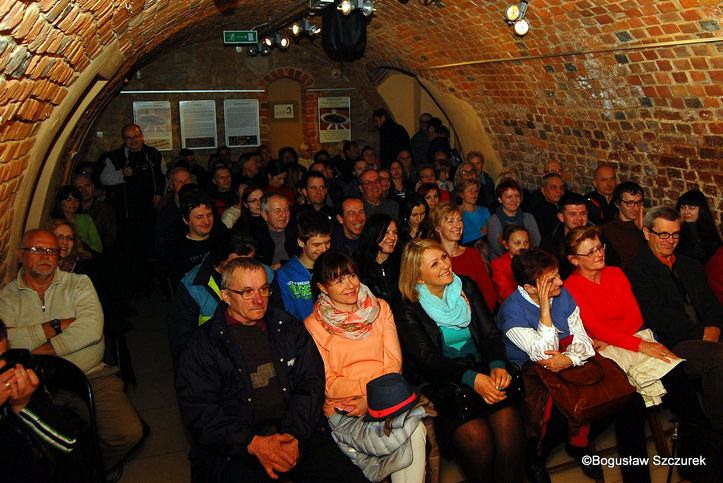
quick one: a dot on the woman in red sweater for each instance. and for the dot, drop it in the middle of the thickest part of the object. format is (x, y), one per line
(612, 317)
(515, 239)
(447, 227)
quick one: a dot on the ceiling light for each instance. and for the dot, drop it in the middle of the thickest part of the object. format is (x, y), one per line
(522, 27)
(346, 6)
(264, 48)
(512, 13)
(310, 28)
(296, 29)
(268, 41)
(253, 51)
(366, 6)
(282, 41)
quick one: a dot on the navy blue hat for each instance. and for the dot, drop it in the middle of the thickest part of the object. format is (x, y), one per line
(388, 396)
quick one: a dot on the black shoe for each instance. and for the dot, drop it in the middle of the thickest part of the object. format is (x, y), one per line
(535, 464)
(591, 471)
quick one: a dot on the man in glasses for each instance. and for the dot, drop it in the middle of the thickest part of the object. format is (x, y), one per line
(370, 186)
(250, 385)
(52, 312)
(624, 233)
(679, 307)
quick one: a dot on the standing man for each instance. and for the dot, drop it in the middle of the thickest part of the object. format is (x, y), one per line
(294, 278)
(134, 176)
(420, 141)
(393, 138)
(600, 204)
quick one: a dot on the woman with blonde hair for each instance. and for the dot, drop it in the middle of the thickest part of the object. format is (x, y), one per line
(453, 347)
(446, 225)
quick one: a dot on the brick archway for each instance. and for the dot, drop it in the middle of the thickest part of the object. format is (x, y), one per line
(307, 108)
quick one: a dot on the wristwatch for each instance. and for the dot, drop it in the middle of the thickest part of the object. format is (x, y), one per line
(55, 324)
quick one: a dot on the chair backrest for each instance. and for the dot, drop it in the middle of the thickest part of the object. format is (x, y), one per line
(58, 374)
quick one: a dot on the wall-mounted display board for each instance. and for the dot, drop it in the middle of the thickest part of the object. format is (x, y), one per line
(241, 119)
(198, 124)
(334, 119)
(154, 118)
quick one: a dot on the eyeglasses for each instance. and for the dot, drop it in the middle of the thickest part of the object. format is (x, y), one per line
(65, 237)
(51, 252)
(593, 251)
(631, 204)
(371, 183)
(664, 235)
(248, 293)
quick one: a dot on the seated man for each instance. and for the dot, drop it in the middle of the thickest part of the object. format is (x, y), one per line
(314, 189)
(371, 189)
(199, 292)
(221, 193)
(600, 203)
(545, 209)
(294, 279)
(624, 232)
(679, 307)
(169, 225)
(351, 217)
(250, 386)
(189, 250)
(276, 238)
(572, 214)
(52, 312)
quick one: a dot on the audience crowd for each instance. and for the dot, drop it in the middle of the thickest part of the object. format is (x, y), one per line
(319, 302)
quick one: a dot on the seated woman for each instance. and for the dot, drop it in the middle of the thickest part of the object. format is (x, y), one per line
(446, 225)
(509, 194)
(276, 171)
(453, 346)
(412, 219)
(399, 188)
(357, 340)
(67, 207)
(73, 256)
(378, 256)
(699, 237)
(474, 216)
(611, 314)
(542, 325)
(515, 238)
(431, 194)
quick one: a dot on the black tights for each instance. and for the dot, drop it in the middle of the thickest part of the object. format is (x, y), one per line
(491, 448)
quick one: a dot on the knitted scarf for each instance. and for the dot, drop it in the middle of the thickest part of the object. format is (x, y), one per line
(351, 325)
(452, 310)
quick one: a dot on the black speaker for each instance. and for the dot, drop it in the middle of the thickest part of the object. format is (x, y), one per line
(344, 37)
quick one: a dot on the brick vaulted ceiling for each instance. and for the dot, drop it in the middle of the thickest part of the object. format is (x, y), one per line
(641, 86)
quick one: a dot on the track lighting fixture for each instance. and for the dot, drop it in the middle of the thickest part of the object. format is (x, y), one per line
(515, 15)
(347, 6)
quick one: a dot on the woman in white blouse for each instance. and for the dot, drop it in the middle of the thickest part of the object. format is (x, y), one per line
(542, 325)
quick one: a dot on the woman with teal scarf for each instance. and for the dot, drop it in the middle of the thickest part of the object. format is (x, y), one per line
(454, 350)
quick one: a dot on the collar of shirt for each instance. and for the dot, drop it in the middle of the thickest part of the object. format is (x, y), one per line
(668, 262)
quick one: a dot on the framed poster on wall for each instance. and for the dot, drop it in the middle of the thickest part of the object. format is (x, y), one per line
(334, 119)
(198, 124)
(285, 111)
(154, 118)
(241, 119)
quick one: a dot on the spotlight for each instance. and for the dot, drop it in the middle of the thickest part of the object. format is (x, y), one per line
(515, 15)
(268, 41)
(253, 51)
(522, 27)
(345, 6)
(264, 49)
(282, 41)
(512, 13)
(296, 29)
(310, 28)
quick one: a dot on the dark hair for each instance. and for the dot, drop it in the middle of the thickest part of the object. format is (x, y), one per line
(331, 265)
(409, 203)
(193, 198)
(288, 149)
(3, 330)
(381, 113)
(347, 145)
(228, 243)
(128, 126)
(185, 152)
(340, 206)
(507, 184)
(309, 175)
(705, 225)
(627, 187)
(570, 199)
(374, 231)
(276, 167)
(510, 229)
(367, 148)
(425, 188)
(219, 166)
(250, 189)
(312, 223)
(63, 194)
(529, 265)
(322, 153)
(247, 156)
(222, 149)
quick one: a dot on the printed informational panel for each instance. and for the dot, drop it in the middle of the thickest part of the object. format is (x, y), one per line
(154, 118)
(241, 118)
(334, 119)
(198, 124)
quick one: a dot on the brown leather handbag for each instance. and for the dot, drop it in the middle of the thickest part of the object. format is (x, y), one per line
(589, 392)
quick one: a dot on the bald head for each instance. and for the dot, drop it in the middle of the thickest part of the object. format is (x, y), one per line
(38, 253)
(552, 166)
(604, 180)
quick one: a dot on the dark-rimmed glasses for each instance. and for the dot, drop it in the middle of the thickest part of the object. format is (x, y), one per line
(664, 235)
(51, 252)
(248, 293)
(598, 249)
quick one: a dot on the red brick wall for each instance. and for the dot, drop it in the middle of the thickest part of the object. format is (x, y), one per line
(654, 112)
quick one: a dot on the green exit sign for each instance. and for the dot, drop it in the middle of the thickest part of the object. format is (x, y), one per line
(240, 37)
